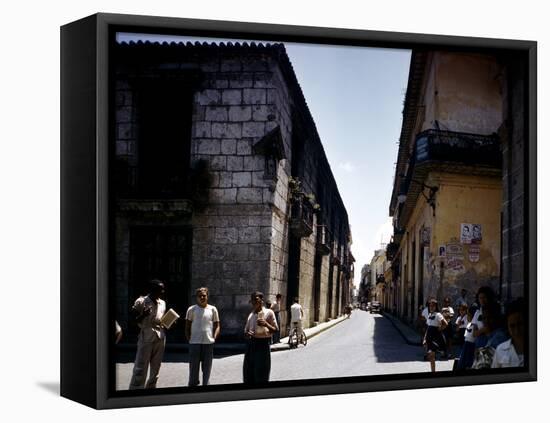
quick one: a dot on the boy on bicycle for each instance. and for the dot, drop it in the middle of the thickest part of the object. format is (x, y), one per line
(296, 315)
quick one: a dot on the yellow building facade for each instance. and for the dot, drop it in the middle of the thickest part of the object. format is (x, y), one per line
(447, 195)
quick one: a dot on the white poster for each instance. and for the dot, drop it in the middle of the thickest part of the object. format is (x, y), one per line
(466, 233)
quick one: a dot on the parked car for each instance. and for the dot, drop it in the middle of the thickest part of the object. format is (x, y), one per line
(375, 307)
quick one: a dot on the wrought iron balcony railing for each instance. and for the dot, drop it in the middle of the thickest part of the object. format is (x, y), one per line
(324, 240)
(458, 147)
(301, 217)
(391, 250)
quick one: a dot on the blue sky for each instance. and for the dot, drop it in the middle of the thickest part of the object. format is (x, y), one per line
(355, 95)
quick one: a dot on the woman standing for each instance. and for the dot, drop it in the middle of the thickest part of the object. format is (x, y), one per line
(434, 339)
(486, 298)
(259, 326)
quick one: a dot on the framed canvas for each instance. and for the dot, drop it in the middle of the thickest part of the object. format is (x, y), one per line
(218, 185)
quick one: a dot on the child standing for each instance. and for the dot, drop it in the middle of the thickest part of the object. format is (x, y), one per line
(434, 339)
(462, 321)
(468, 348)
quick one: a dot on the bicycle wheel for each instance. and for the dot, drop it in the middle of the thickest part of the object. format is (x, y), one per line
(293, 338)
(303, 339)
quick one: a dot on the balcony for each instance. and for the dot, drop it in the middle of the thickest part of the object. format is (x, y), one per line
(380, 278)
(445, 151)
(301, 217)
(391, 250)
(458, 148)
(324, 240)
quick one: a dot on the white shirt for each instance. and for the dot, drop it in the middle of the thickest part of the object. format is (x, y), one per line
(475, 319)
(202, 323)
(251, 323)
(448, 311)
(506, 356)
(435, 319)
(469, 333)
(151, 328)
(425, 313)
(462, 321)
(295, 312)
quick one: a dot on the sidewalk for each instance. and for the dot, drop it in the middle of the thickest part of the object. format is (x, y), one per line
(410, 336)
(310, 333)
(229, 348)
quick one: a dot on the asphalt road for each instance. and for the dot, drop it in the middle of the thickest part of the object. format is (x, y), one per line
(366, 344)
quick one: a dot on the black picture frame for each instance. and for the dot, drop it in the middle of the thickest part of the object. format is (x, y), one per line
(85, 317)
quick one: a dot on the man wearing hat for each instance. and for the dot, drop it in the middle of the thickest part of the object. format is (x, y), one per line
(150, 347)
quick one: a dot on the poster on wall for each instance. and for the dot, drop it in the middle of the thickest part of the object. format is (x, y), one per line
(470, 233)
(466, 233)
(473, 253)
(476, 233)
(442, 251)
(454, 255)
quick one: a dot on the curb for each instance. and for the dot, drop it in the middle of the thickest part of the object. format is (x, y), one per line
(399, 327)
(310, 333)
(223, 348)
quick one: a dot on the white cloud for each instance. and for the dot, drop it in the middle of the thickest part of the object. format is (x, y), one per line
(347, 167)
(383, 233)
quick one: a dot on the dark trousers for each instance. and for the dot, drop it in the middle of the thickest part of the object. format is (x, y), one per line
(200, 354)
(466, 356)
(257, 361)
(277, 334)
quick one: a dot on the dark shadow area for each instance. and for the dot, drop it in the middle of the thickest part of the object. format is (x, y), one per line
(51, 387)
(389, 346)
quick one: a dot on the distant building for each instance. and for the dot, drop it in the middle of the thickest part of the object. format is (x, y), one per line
(222, 181)
(365, 285)
(378, 267)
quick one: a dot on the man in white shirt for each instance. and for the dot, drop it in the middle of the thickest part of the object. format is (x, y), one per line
(151, 340)
(296, 315)
(202, 328)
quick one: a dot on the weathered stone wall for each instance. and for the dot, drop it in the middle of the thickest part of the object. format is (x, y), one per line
(513, 134)
(240, 235)
(323, 301)
(307, 275)
(240, 241)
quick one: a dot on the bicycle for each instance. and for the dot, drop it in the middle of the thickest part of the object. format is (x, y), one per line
(296, 336)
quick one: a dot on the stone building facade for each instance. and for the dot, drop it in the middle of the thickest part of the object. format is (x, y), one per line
(222, 181)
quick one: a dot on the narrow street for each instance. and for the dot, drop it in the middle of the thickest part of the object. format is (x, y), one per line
(366, 344)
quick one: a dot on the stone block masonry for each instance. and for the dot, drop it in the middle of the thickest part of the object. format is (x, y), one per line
(240, 237)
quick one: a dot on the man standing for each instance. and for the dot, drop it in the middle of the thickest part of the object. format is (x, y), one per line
(151, 339)
(259, 326)
(202, 328)
(296, 315)
(276, 307)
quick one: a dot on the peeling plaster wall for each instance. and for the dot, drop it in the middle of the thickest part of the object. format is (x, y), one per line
(463, 93)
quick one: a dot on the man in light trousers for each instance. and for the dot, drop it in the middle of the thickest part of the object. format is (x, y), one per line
(151, 341)
(202, 328)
